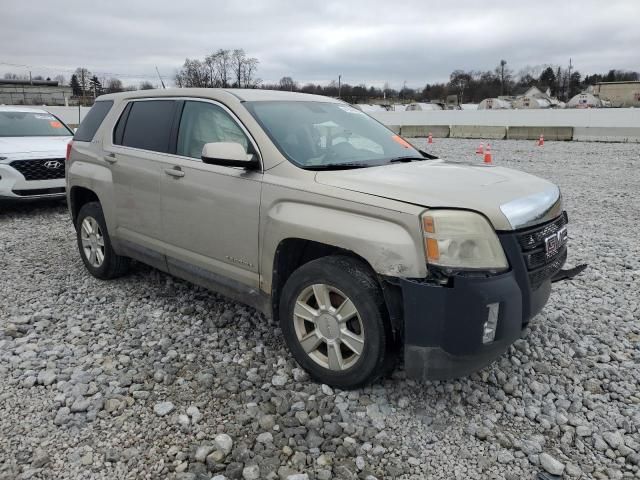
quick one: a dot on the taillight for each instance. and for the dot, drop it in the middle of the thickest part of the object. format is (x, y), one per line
(69, 150)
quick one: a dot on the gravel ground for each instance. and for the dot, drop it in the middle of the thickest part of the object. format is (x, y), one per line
(150, 377)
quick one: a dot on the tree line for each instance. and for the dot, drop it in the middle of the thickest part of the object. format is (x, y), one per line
(233, 68)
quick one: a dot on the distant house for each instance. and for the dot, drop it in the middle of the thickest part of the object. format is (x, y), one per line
(494, 104)
(619, 94)
(421, 106)
(36, 92)
(370, 108)
(527, 102)
(585, 100)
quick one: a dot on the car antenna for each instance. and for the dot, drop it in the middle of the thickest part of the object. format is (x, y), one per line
(160, 77)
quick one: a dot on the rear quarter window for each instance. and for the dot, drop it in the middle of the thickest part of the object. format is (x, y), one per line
(89, 126)
(147, 126)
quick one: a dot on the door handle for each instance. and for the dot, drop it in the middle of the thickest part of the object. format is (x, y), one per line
(110, 158)
(174, 172)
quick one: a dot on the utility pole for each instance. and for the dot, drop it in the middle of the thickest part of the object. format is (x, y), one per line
(502, 65)
(339, 84)
(569, 81)
(160, 77)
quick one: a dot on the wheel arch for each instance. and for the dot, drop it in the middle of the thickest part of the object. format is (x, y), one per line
(78, 197)
(291, 253)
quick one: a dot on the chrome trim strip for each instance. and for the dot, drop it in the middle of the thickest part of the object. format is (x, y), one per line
(533, 209)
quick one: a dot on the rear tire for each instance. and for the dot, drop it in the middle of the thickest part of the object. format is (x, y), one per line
(95, 245)
(335, 321)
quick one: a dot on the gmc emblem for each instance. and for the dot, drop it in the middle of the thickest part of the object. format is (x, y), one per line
(553, 243)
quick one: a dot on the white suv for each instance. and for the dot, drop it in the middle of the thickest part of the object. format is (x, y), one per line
(33, 145)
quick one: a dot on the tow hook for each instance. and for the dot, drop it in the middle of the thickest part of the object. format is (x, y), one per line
(569, 273)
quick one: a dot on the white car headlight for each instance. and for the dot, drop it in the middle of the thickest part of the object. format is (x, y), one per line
(461, 240)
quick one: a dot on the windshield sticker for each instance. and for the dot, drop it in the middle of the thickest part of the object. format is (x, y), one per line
(348, 109)
(45, 117)
(401, 141)
(55, 124)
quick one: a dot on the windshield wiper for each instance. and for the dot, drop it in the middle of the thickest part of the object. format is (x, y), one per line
(407, 159)
(337, 166)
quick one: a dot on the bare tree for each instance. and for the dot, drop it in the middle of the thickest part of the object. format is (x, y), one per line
(193, 73)
(223, 65)
(113, 85)
(249, 79)
(83, 75)
(287, 83)
(223, 68)
(146, 85)
(60, 79)
(238, 58)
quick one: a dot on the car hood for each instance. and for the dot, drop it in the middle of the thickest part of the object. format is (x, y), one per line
(510, 199)
(33, 147)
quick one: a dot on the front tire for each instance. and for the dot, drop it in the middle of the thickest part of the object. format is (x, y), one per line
(335, 322)
(95, 245)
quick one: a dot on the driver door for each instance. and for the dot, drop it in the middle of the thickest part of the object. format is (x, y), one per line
(210, 213)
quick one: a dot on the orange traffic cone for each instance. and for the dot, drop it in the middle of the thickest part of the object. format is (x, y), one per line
(480, 149)
(541, 141)
(487, 155)
(430, 140)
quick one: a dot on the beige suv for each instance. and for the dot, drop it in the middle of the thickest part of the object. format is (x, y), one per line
(312, 212)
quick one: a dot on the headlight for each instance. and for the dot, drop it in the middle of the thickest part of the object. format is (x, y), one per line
(461, 240)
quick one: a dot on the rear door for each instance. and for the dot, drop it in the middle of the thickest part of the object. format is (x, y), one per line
(210, 213)
(141, 143)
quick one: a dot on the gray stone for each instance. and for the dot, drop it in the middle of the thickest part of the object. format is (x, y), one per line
(224, 443)
(265, 437)
(202, 452)
(40, 458)
(163, 408)
(251, 472)
(550, 464)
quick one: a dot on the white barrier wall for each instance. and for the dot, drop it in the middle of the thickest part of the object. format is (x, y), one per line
(596, 124)
(69, 115)
(594, 117)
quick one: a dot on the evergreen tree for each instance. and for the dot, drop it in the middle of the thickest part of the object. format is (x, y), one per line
(75, 85)
(548, 79)
(95, 87)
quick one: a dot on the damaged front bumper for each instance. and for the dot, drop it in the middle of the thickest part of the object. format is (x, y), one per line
(444, 327)
(455, 329)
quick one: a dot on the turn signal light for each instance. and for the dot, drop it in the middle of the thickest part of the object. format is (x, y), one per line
(68, 150)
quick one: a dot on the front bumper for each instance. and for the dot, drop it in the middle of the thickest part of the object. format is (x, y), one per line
(443, 325)
(14, 186)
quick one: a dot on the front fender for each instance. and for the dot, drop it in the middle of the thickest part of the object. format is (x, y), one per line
(387, 245)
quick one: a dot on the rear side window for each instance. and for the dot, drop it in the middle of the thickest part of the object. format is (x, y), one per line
(148, 125)
(89, 126)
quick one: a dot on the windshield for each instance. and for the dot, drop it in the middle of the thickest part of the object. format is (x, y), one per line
(317, 135)
(31, 124)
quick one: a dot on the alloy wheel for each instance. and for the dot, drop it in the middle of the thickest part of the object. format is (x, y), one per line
(328, 327)
(92, 242)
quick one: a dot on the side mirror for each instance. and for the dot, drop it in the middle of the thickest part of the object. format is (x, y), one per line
(228, 154)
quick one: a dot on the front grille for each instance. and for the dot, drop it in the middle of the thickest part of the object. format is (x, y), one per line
(39, 191)
(534, 238)
(541, 266)
(41, 169)
(537, 277)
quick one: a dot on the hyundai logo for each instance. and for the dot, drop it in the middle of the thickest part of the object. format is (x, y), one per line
(53, 164)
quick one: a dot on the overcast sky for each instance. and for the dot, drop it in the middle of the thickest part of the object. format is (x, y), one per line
(368, 41)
